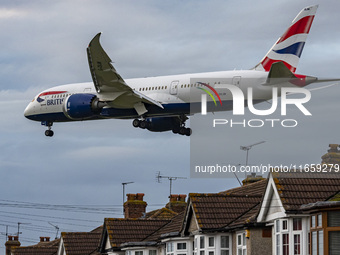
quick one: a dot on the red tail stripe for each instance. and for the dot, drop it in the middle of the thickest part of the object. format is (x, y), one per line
(267, 63)
(300, 27)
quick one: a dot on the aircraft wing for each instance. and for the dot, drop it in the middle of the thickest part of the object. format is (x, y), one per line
(107, 80)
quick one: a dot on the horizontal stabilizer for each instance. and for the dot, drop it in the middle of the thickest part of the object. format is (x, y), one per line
(279, 73)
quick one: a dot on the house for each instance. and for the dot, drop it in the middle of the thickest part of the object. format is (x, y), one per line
(138, 233)
(44, 247)
(74, 243)
(225, 223)
(289, 213)
(297, 207)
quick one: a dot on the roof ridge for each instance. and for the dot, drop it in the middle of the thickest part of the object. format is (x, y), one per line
(245, 186)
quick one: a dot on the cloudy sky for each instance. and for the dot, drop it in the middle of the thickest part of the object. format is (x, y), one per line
(83, 165)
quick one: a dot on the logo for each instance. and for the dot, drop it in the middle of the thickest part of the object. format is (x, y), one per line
(204, 97)
(40, 100)
(240, 101)
(208, 92)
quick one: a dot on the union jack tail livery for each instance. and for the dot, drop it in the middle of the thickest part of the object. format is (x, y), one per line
(289, 46)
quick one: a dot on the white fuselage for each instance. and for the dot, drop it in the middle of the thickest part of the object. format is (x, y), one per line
(174, 90)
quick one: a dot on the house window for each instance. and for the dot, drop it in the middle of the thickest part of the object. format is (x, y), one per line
(278, 247)
(316, 235)
(297, 224)
(138, 252)
(211, 241)
(333, 219)
(169, 247)
(297, 244)
(181, 246)
(319, 220)
(284, 225)
(241, 244)
(288, 236)
(313, 223)
(201, 242)
(225, 245)
(152, 252)
(285, 244)
(334, 242)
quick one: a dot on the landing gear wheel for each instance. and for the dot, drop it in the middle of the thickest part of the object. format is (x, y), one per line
(49, 133)
(136, 123)
(143, 124)
(188, 131)
(175, 130)
(182, 131)
(48, 124)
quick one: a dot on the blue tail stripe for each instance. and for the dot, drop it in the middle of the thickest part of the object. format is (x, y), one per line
(294, 49)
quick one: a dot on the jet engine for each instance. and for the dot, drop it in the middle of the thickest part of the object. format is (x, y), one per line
(82, 106)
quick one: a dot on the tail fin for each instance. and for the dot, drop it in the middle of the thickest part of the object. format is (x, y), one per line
(289, 46)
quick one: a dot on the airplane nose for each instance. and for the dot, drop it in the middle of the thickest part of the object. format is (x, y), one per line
(28, 111)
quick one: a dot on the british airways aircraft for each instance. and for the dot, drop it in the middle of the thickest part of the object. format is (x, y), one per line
(164, 103)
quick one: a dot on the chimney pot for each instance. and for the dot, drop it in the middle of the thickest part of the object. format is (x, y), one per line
(182, 197)
(139, 196)
(131, 197)
(173, 198)
(47, 239)
(16, 238)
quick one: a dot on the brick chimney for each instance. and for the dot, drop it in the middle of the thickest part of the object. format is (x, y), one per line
(177, 203)
(13, 242)
(44, 239)
(332, 156)
(134, 207)
(252, 178)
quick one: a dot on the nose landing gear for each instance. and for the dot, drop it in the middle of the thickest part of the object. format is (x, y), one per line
(48, 124)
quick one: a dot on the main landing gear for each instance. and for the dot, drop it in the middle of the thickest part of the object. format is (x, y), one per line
(176, 124)
(182, 131)
(49, 132)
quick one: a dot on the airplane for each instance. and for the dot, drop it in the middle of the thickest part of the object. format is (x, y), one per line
(164, 103)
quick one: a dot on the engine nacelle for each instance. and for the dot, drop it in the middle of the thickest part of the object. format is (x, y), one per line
(81, 106)
(161, 124)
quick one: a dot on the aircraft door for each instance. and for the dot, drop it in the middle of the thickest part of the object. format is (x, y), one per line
(237, 81)
(174, 87)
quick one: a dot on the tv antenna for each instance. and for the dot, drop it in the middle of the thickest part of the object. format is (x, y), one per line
(159, 178)
(247, 148)
(5, 233)
(21, 223)
(56, 227)
(124, 184)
